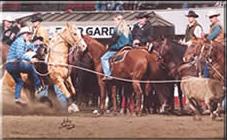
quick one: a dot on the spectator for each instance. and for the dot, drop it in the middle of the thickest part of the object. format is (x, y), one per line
(10, 30)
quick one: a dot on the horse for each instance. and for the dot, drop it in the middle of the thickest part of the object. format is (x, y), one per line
(170, 55)
(85, 82)
(58, 54)
(136, 72)
(202, 51)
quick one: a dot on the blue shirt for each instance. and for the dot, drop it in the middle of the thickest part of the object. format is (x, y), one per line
(17, 49)
(121, 42)
(215, 31)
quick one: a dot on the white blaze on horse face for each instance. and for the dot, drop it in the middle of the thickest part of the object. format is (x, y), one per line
(82, 44)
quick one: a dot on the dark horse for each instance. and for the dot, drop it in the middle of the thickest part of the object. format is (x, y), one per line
(171, 57)
(138, 57)
(85, 82)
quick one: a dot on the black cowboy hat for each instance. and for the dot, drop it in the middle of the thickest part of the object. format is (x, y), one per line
(36, 18)
(142, 15)
(192, 14)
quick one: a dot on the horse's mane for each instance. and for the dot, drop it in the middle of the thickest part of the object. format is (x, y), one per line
(93, 42)
(177, 48)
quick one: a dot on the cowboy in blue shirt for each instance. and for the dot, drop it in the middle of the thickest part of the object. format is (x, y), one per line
(17, 63)
(216, 30)
(216, 33)
(122, 37)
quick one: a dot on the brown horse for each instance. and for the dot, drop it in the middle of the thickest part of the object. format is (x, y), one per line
(171, 58)
(124, 69)
(210, 52)
(58, 54)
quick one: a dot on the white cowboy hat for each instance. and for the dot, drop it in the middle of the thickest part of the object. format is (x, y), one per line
(8, 18)
(25, 30)
(213, 13)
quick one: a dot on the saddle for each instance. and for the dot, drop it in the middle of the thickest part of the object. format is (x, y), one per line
(120, 56)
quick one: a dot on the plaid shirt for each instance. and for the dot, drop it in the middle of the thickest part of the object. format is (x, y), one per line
(17, 49)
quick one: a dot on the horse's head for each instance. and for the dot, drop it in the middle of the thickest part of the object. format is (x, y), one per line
(161, 47)
(191, 51)
(196, 48)
(73, 37)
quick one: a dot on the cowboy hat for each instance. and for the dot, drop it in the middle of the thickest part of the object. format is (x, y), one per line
(25, 30)
(36, 18)
(143, 15)
(213, 13)
(191, 14)
(8, 18)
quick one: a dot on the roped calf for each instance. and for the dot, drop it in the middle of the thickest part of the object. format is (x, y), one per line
(203, 89)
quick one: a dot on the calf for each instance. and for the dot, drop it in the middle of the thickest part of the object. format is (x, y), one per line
(202, 89)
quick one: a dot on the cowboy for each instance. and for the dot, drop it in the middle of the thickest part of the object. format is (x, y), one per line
(121, 38)
(10, 30)
(16, 63)
(216, 32)
(142, 30)
(38, 29)
(194, 29)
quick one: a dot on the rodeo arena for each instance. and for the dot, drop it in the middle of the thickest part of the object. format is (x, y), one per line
(113, 69)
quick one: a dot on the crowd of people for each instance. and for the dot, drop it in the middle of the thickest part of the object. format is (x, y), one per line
(22, 38)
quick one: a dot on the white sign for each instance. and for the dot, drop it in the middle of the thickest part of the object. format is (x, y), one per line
(94, 31)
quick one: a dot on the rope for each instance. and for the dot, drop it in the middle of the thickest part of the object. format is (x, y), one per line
(116, 78)
(219, 74)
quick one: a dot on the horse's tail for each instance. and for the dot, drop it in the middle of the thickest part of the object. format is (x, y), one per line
(152, 67)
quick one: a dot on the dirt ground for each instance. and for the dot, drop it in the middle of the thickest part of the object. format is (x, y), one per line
(150, 126)
(38, 121)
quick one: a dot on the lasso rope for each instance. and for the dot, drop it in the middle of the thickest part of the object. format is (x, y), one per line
(116, 78)
(99, 73)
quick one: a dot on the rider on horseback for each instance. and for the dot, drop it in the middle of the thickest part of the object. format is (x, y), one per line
(216, 30)
(121, 38)
(39, 30)
(142, 31)
(194, 29)
(216, 33)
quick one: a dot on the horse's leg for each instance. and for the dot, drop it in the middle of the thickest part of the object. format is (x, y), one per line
(138, 90)
(102, 95)
(113, 90)
(180, 97)
(70, 86)
(146, 102)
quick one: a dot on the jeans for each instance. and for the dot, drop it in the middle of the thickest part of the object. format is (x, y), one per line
(16, 68)
(105, 62)
(206, 71)
(61, 97)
